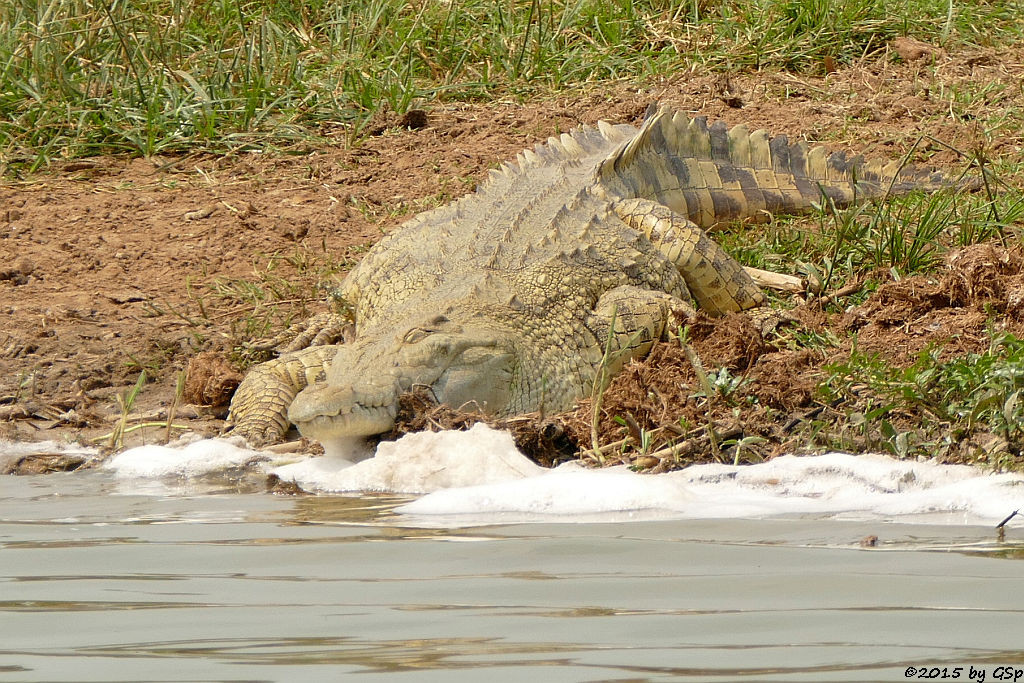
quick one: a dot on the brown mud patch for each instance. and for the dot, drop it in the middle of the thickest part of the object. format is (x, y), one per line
(110, 267)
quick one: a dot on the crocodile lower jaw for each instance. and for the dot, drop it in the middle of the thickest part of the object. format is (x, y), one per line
(358, 421)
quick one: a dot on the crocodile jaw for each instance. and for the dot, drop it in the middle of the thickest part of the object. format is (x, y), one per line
(359, 395)
(327, 413)
(359, 422)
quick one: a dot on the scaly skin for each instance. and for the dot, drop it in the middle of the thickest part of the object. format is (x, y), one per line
(508, 298)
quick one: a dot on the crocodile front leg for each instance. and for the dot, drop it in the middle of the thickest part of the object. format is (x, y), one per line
(259, 408)
(628, 320)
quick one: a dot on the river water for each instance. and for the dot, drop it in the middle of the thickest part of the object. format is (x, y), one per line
(104, 578)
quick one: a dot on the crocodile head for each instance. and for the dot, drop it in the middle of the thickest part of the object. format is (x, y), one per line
(358, 395)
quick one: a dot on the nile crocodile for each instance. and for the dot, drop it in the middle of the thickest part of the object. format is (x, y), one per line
(572, 258)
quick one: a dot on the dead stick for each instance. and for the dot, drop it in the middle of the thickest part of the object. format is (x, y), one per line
(695, 434)
(845, 290)
(778, 281)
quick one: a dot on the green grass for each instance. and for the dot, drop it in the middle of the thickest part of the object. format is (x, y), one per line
(939, 402)
(79, 78)
(801, 34)
(902, 235)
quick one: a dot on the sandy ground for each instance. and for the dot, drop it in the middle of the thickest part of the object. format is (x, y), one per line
(112, 266)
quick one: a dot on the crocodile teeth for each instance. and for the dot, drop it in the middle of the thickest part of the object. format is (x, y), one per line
(359, 421)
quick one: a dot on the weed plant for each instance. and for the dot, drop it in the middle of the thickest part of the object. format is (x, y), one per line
(923, 408)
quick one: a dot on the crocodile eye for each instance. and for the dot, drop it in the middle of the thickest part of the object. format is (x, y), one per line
(415, 335)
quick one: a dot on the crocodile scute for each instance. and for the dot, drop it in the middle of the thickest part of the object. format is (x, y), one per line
(565, 264)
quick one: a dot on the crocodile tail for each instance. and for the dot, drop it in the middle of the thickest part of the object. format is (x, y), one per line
(713, 174)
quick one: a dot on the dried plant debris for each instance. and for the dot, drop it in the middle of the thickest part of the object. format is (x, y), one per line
(210, 380)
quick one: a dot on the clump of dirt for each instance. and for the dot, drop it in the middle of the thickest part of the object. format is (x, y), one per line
(419, 411)
(979, 277)
(911, 50)
(385, 119)
(984, 274)
(953, 309)
(280, 487)
(210, 380)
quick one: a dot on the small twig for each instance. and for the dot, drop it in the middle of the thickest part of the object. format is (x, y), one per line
(778, 281)
(846, 290)
(235, 311)
(667, 451)
(184, 412)
(697, 433)
(1001, 527)
(948, 146)
(616, 445)
(794, 421)
(1003, 523)
(285, 448)
(599, 453)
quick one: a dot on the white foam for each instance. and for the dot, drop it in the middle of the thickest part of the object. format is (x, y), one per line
(20, 448)
(834, 485)
(192, 459)
(479, 475)
(569, 490)
(420, 463)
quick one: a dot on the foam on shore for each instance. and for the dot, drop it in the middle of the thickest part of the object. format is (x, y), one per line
(835, 485)
(479, 475)
(186, 459)
(420, 463)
